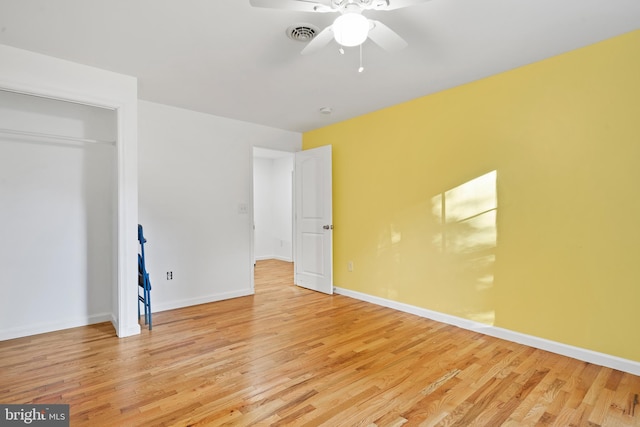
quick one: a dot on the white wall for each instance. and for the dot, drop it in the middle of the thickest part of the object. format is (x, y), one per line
(273, 201)
(22, 112)
(195, 173)
(57, 229)
(69, 189)
(283, 207)
(262, 208)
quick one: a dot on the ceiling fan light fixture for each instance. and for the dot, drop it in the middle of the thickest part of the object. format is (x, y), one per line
(350, 29)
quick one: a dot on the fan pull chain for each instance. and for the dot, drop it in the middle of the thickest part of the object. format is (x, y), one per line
(361, 69)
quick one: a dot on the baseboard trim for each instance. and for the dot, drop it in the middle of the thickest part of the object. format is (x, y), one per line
(585, 355)
(133, 329)
(171, 305)
(42, 328)
(279, 258)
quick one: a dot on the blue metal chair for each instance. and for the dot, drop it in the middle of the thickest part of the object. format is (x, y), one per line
(144, 284)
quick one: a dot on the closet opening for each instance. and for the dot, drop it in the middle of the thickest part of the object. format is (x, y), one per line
(58, 214)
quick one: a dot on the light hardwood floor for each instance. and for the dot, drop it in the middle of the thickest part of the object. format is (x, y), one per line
(288, 356)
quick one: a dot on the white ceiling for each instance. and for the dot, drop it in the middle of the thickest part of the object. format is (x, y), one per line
(226, 58)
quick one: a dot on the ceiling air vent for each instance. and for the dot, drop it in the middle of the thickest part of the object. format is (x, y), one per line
(302, 32)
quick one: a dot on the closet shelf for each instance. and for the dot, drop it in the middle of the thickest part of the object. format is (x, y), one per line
(54, 137)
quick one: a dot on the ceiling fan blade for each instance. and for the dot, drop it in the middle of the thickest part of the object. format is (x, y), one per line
(395, 4)
(295, 5)
(318, 42)
(385, 37)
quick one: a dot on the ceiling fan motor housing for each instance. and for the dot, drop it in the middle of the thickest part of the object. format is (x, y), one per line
(362, 4)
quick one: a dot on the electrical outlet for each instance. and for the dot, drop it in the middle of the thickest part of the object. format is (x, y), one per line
(350, 266)
(169, 275)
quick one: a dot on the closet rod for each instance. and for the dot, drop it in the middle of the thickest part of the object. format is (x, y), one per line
(52, 136)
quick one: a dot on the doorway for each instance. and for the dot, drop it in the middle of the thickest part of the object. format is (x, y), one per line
(273, 205)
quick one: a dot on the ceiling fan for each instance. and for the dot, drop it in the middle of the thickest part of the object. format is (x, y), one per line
(351, 28)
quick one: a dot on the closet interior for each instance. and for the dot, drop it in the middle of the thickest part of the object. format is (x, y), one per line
(58, 214)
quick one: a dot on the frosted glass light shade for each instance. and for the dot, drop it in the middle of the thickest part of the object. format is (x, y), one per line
(350, 29)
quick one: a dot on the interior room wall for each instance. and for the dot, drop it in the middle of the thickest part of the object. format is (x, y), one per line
(262, 208)
(56, 222)
(283, 207)
(195, 198)
(549, 248)
(76, 270)
(273, 201)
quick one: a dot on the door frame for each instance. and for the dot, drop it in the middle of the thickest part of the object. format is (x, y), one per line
(253, 194)
(124, 290)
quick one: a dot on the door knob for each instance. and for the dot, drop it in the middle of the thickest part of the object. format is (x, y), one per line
(328, 227)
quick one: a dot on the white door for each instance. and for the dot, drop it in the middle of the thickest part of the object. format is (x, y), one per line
(313, 220)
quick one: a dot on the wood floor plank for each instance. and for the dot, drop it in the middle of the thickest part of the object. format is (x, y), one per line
(287, 356)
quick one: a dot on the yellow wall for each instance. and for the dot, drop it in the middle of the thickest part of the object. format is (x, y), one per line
(562, 261)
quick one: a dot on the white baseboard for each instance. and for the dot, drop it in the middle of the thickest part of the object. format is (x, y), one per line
(280, 258)
(41, 328)
(114, 322)
(134, 329)
(129, 331)
(170, 305)
(585, 355)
